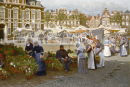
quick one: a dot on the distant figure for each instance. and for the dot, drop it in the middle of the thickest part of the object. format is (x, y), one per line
(29, 46)
(81, 59)
(123, 50)
(63, 57)
(107, 52)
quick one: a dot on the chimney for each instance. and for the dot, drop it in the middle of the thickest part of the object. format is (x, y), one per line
(98, 15)
(56, 10)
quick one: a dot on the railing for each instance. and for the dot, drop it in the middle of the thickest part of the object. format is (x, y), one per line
(50, 41)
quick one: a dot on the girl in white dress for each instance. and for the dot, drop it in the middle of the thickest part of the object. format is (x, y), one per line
(107, 52)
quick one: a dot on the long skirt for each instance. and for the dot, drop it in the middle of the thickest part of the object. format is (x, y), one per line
(117, 49)
(91, 60)
(41, 65)
(101, 64)
(82, 65)
(123, 51)
(107, 51)
(113, 50)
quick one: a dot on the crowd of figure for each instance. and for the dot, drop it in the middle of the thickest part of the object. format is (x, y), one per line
(93, 47)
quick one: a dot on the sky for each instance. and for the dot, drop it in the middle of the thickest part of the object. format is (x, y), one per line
(92, 7)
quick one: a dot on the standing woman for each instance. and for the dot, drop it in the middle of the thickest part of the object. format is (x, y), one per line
(123, 50)
(99, 52)
(107, 52)
(81, 59)
(29, 46)
(38, 51)
(91, 56)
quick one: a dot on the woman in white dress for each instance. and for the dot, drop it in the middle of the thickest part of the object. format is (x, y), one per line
(91, 57)
(107, 52)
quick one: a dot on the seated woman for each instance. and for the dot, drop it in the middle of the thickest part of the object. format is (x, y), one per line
(81, 59)
(63, 57)
(38, 51)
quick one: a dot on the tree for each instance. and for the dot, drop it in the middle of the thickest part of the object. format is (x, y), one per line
(47, 17)
(117, 18)
(61, 17)
(82, 18)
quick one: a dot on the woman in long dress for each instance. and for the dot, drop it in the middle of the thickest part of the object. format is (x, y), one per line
(81, 59)
(107, 52)
(38, 51)
(91, 57)
(99, 52)
(117, 47)
(123, 50)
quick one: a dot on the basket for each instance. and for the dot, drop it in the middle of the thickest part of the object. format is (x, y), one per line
(97, 59)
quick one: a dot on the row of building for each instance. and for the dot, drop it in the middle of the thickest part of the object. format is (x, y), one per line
(30, 14)
(115, 19)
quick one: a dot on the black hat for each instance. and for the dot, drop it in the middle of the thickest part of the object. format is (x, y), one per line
(61, 46)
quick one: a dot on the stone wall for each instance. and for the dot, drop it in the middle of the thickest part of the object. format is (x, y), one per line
(54, 47)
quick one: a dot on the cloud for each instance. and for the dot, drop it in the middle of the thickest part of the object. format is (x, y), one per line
(87, 6)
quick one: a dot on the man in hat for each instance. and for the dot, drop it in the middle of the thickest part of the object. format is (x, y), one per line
(63, 57)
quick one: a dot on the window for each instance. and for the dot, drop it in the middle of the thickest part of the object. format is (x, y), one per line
(9, 28)
(14, 1)
(103, 23)
(64, 22)
(22, 25)
(123, 23)
(108, 23)
(2, 12)
(123, 17)
(15, 25)
(22, 1)
(38, 15)
(127, 23)
(38, 26)
(127, 17)
(33, 14)
(9, 13)
(17, 1)
(32, 3)
(8, 0)
(22, 14)
(15, 13)
(27, 14)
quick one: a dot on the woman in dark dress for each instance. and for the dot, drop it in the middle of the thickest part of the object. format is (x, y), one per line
(29, 47)
(38, 51)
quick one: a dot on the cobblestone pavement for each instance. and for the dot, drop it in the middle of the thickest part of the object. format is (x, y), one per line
(116, 73)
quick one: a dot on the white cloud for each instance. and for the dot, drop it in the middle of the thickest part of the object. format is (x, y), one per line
(87, 6)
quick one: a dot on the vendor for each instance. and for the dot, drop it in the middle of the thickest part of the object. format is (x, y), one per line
(38, 51)
(63, 57)
(99, 48)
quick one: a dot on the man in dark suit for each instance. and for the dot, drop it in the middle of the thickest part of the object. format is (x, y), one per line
(63, 57)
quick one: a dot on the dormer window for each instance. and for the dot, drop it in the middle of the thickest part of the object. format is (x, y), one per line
(38, 4)
(17, 1)
(32, 3)
(8, 0)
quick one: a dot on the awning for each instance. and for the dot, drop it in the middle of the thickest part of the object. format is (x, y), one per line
(21, 30)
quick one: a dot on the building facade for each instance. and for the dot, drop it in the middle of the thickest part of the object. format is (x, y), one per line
(93, 21)
(105, 18)
(126, 20)
(26, 14)
(68, 18)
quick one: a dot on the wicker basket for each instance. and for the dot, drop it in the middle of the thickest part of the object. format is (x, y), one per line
(97, 59)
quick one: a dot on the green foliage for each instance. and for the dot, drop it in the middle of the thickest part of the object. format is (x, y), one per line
(16, 60)
(69, 51)
(47, 17)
